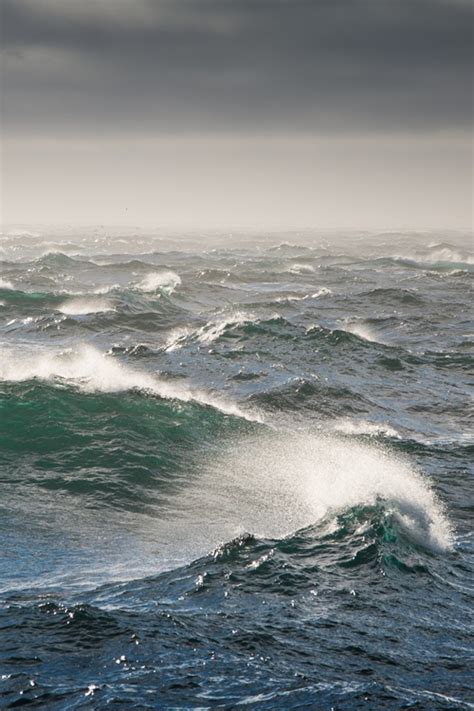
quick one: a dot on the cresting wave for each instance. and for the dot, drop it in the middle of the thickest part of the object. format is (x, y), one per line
(210, 332)
(84, 306)
(166, 281)
(362, 427)
(5, 284)
(92, 371)
(282, 482)
(323, 291)
(440, 254)
(362, 330)
(275, 484)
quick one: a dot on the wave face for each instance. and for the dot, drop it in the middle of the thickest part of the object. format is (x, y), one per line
(235, 471)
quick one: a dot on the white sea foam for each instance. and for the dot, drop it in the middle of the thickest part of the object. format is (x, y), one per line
(301, 269)
(177, 337)
(164, 281)
(208, 333)
(362, 330)
(21, 233)
(23, 321)
(441, 254)
(363, 427)
(323, 291)
(102, 290)
(91, 371)
(5, 284)
(214, 329)
(276, 484)
(85, 305)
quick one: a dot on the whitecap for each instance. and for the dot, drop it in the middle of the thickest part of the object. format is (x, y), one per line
(159, 281)
(363, 427)
(210, 332)
(85, 305)
(362, 330)
(92, 371)
(276, 484)
(301, 269)
(177, 337)
(5, 284)
(214, 329)
(323, 291)
(102, 290)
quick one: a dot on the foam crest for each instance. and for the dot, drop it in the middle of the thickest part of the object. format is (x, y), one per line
(447, 254)
(5, 284)
(323, 291)
(438, 255)
(280, 483)
(210, 332)
(85, 305)
(362, 427)
(214, 329)
(362, 330)
(301, 269)
(163, 281)
(101, 290)
(177, 337)
(92, 371)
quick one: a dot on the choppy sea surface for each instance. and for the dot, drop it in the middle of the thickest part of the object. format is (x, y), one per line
(236, 470)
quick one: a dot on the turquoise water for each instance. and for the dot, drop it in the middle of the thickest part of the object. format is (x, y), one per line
(236, 470)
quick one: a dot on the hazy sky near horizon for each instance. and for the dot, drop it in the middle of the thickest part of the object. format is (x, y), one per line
(194, 113)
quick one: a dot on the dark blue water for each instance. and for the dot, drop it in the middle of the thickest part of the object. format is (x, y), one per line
(236, 471)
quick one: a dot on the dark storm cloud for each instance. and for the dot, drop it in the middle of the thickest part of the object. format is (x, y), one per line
(136, 66)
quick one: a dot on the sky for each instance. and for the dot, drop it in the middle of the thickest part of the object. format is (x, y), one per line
(267, 113)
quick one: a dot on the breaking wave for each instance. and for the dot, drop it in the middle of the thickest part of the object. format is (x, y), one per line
(156, 281)
(92, 371)
(5, 284)
(84, 306)
(362, 330)
(277, 484)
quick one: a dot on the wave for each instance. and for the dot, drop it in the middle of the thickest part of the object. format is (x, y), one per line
(54, 258)
(439, 259)
(406, 296)
(155, 281)
(102, 290)
(92, 371)
(279, 486)
(442, 254)
(177, 337)
(290, 247)
(214, 329)
(350, 334)
(301, 269)
(5, 284)
(362, 330)
(363, 427)
(323, 291)
(274, 485)
(84, 306)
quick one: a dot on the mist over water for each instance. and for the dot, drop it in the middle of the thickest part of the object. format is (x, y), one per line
(236, 469)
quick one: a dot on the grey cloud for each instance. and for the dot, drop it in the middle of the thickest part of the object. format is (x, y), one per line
(137, 66)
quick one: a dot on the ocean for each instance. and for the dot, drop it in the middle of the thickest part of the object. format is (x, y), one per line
(236, 470)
